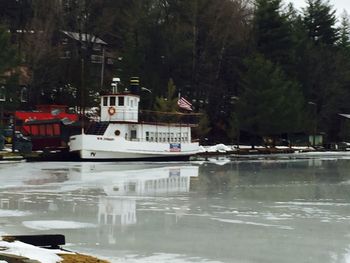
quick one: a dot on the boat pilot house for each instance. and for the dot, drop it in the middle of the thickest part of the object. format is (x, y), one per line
(126, 133)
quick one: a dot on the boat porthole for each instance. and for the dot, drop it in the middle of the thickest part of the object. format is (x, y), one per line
(117, 132)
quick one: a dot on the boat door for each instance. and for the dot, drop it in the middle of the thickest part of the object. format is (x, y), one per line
(133, 135)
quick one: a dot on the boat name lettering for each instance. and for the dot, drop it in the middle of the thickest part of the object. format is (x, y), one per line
(105, 139)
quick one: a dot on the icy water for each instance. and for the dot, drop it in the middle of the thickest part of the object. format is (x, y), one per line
(276, 209)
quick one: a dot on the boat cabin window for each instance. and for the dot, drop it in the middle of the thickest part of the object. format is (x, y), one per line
(185, 136)
(120, 101)
(132, 103)
(105, 101)
(42, 129)
(147, 136)
(112, 101)
(49, 130)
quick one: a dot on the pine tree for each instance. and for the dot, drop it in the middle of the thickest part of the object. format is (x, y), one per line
(272, 33)
(168, 103)
(270, 103)
(344, 31)
(322, 66)
(319, 20)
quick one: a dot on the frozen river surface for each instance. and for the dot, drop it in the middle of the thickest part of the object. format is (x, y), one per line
(279, 209)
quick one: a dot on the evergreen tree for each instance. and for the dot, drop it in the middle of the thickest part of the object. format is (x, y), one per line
(321, 71)
(320, 19)
(272, 33)
(167, 104)
(270, 103)
(344, 31)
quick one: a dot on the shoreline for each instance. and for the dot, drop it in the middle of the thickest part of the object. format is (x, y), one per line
(7, 156)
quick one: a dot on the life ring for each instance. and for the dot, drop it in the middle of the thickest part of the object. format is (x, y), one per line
(111, 111)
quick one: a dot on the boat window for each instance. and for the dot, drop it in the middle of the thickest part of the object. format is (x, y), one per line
(120, 101)
(34, 129)
(117, 132)
(56, 129)
(42, 130)
(127, 101)
(185, 136)
(147, 136)
(132, 103)
(112, 101)
(49, 130)
(105, 101)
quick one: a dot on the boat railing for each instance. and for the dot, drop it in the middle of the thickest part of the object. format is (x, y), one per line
(169, 117)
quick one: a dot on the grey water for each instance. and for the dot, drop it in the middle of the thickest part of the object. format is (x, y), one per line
(266, 209)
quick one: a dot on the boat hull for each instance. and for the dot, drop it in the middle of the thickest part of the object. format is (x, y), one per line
(95, 148)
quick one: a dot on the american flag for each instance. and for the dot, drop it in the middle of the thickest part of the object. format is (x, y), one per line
(184, 104)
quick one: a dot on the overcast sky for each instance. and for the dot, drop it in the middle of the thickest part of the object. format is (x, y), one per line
(339, 5)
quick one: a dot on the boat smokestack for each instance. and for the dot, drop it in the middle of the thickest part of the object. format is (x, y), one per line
(135, 85)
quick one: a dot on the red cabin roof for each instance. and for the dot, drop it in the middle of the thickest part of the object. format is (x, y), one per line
(47, 112)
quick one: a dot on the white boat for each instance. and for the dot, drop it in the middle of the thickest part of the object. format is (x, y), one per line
(122, 135)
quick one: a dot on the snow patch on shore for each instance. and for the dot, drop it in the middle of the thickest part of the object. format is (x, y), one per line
(29, 251)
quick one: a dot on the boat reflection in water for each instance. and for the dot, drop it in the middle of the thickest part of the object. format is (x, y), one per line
(101, 196)
(118, 208)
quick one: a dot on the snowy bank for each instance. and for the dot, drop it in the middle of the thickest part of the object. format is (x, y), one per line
(32, 252)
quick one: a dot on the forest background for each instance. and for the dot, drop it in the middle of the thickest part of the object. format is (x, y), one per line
(252, 68)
